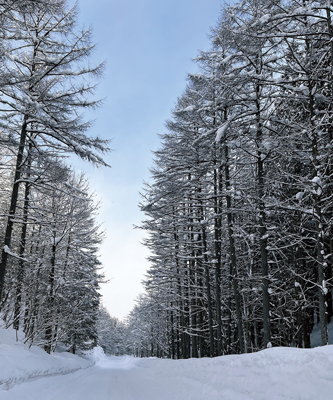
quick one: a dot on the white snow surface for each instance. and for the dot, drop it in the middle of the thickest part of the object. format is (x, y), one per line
(18, 363)
(221, 131)
(272, 374)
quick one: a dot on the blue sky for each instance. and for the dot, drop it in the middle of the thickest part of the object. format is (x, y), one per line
(148, 46)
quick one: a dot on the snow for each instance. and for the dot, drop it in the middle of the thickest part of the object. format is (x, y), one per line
(18, 363)
(275, 374)
(316, 180)
(226, 59)
(189, 108)
(221, 131)
(300, 11)
(7, 250)
(265, 18)
(299, 196)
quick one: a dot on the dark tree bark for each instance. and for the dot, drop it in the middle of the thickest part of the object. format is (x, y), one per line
(13, 205)
(232, 253)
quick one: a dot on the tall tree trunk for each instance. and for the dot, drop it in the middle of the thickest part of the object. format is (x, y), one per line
(172, 336)
(232, 253)
(194, 310)
(218, 255)
(50, 304)
(262, 214)
(18, 297)
(13, 205)
(208, 292)
(320, 223)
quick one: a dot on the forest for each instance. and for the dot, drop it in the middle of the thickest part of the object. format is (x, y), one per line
(238, 211)
(50, 271)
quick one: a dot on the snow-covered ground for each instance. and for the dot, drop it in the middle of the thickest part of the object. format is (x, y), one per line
(272, 374)
(18, 363)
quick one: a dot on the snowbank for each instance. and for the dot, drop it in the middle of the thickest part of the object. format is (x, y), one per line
(18, 363)
(276, 374)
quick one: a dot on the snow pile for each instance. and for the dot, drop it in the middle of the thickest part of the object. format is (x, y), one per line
(274, 374)
(19, 363)
(97, 354)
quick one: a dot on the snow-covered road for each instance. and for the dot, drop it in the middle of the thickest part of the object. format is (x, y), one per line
(118, 378)
(272, 374)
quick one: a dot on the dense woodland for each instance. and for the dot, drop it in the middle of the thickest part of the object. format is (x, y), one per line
(239, 208)
(49, 271)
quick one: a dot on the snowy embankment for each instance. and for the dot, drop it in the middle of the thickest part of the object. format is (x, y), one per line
(274, 374)
(18, 363)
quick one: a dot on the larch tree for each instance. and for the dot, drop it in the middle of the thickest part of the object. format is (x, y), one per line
(41, 105)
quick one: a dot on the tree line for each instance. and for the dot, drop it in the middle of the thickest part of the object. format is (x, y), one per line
(239, 207)
(49, 271)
